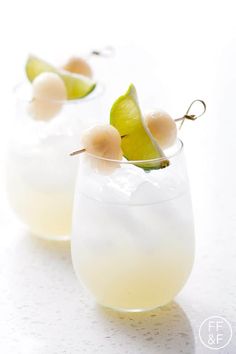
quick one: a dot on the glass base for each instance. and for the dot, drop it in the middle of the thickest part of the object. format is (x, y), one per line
(132, 310)
(60, 238)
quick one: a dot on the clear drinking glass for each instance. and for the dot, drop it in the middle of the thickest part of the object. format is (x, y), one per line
(40, 173)
(133, 233)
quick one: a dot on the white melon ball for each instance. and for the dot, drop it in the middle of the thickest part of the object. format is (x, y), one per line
(49, 94)
(78, 66)
(103, 141)
(162, 127)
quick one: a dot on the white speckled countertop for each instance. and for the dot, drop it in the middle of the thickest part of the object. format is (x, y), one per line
(43, 308)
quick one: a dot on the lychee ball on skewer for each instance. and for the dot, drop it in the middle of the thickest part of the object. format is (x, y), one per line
(162, 127)
(78, 65)
(49, 94)
(103, 141)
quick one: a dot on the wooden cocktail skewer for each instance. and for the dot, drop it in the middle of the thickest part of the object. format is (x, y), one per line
(77, 152)
(105, 52)
(191, 116)
(182, 119)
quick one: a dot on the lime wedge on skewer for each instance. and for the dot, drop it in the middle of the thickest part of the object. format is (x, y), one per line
(137, 141)
(77, 86)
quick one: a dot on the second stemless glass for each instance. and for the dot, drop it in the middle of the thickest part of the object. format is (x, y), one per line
(133, 234)
(40, 173)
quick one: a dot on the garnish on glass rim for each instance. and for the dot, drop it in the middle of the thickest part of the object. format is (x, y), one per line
(52, 85)
(77, 85)
(126, 117)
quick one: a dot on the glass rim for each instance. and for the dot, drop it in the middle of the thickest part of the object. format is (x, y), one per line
(179, 149)
(95, 93)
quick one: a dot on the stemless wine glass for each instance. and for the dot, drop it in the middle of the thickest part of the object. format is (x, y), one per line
(133, 234)
(40, 173)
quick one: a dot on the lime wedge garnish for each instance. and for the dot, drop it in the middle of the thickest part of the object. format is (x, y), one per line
(137, 142)
(77, 86)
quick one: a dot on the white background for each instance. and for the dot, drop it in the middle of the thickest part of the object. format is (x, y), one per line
(175, 51)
